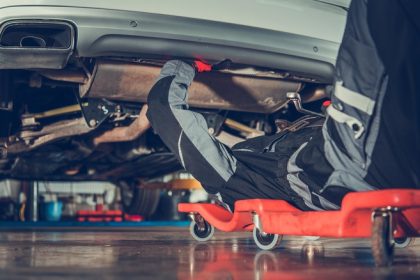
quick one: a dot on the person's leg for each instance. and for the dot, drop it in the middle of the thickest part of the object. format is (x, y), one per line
(185, 132)
(395, 29)
(372, 126)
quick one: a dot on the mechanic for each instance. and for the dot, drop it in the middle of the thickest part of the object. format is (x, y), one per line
(369, 140)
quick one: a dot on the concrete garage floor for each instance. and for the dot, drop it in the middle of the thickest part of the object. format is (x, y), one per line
(170, 253)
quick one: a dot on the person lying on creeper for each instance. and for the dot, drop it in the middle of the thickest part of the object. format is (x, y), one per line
(369, 139)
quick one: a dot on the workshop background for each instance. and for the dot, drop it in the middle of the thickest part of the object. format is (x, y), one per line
(90, 190)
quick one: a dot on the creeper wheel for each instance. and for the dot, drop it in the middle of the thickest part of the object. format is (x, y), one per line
(382, 240)
(266, 241)
(203, 232)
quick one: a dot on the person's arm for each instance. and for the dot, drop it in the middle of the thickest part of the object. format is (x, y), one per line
(185, 132)
(127, 133)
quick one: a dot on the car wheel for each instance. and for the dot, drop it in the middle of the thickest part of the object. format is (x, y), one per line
(137, 200)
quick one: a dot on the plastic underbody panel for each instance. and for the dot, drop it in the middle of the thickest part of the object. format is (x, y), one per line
(104, 32)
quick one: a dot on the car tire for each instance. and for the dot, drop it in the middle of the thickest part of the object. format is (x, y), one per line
(137, 200)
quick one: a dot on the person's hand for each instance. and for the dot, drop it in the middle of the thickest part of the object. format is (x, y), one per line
(202, 67)
(205, 67)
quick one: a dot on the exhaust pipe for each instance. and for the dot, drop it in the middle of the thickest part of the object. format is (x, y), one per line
(32, 42)
(40, 44)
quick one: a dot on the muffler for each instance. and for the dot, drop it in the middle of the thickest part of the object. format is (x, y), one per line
(125, 81)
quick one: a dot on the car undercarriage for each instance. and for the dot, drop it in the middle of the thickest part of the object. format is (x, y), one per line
(72, 91)
(90, 126)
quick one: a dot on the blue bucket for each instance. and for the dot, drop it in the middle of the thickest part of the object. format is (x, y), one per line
(51, 211)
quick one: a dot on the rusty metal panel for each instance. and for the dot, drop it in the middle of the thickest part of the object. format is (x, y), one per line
(132, 82)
